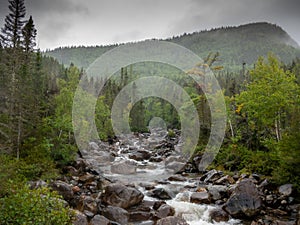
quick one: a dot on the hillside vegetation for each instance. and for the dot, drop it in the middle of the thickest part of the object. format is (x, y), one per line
(236, 45)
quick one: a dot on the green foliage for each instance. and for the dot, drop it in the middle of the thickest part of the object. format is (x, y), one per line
(38, 159)
(9, 170)
(268, 98)
(39, 206)
(236, 157)
(171, 133)
(62, 136)
(14, 21)
(236, 45)
(103, 121)
(265, 128)
(34, 164)
(288, 170)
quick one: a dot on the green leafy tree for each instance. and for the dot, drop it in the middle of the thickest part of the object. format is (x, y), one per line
(268, 98)
(62, 134)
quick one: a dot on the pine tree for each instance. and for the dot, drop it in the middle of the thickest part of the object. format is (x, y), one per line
(16, 73)
(14, 21)
(29, 34)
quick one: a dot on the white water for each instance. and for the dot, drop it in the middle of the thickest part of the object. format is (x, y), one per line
(196, 214)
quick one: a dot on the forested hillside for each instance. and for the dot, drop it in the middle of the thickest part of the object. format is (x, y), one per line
(236, 45)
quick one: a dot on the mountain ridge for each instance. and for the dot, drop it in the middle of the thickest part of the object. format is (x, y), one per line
(235, 44)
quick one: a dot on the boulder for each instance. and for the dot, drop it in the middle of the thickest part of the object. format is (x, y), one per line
(139, 216)
(226, 180)
(217, 192)
(218, 215)
(211, 176)
(200, 197)
(160, 193)
(87, 203)
(63, 189)
(97, 220)
(285, 190)
(121, 196)
(79, 218)
(175, 166)
(116, 214)
(158, 204)
(177, 178)
(172, 220)
(76, 189)
(88, 214)
(244, 201)
(164, 211)
(140, 155)
(87, 178)
(124, 167)
(103, 157)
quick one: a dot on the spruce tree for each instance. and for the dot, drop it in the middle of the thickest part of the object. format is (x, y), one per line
(29, 35)
(14, 22)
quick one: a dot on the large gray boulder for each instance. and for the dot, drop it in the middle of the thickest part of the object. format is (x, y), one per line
(164, 211)
(245, 200)
(79, 218)
(63, 189)
(218, 215)
(201, 197)
(121, 196)
(97, 220)
(116, 214)
(285, 190)
(124, 167)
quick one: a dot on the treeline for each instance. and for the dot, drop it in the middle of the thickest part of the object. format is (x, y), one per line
(263, 106)
(33, 140)
(236, 45)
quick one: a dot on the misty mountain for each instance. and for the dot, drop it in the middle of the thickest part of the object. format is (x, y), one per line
(236, 45)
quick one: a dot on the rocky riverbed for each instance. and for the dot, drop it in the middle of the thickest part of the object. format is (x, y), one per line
(142, 179)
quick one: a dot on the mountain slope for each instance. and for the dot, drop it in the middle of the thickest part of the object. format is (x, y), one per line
(236, 45)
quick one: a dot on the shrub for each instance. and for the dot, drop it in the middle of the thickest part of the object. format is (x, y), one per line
(39, 206)
(9, 170)
(288, 170)
(171, 133)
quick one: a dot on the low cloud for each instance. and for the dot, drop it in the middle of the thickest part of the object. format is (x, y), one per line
(77, 22)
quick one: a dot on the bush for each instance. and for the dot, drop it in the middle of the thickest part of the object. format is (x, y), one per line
(9, 170)
(34, 164)
(39, 206)
(288, 169)
(171, 133)
(236, 157)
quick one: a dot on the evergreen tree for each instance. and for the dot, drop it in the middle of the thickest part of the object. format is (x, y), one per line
(14, 21)
(29, 34)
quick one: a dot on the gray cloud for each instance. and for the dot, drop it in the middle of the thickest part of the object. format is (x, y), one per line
(215, 13)
(96, 22)
(58, 7)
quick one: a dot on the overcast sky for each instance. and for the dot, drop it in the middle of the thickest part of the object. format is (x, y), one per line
(102, 22)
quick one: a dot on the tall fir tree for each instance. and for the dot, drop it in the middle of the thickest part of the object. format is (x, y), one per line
(14, 22)
(18, 40)
(29, 34)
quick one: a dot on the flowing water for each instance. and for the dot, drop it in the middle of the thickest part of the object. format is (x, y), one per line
(145, 171)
